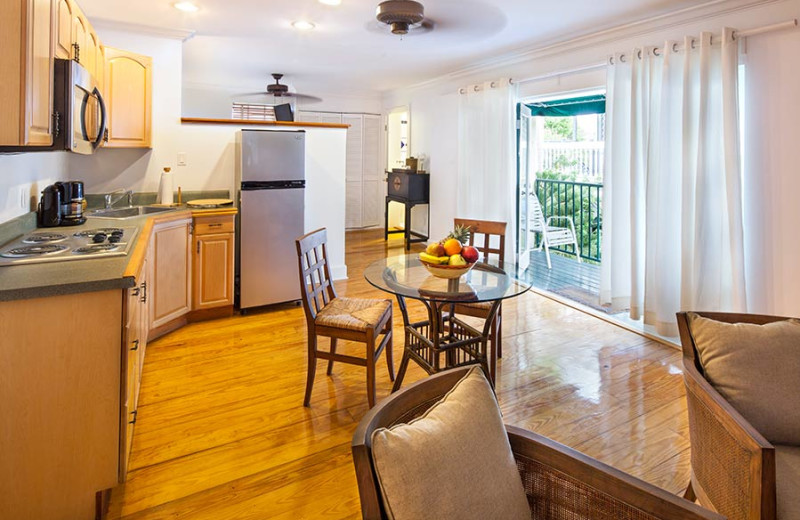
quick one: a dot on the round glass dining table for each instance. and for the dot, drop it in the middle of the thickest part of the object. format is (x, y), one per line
(482, 289)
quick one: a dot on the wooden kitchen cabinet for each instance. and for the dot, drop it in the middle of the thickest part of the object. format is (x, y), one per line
(60, 401)
(129, 89)
(213, 265)
(65, 14)
(75, 39)
(27, 38)
(134, 343)
(170, 277)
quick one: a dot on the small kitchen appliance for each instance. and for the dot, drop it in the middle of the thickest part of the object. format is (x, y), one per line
(62, 204)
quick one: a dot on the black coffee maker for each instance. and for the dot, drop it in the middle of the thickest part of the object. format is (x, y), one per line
(62, 204)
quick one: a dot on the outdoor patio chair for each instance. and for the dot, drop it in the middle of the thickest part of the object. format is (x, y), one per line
(552, 236)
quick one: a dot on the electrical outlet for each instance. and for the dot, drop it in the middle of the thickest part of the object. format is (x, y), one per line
(181, 158)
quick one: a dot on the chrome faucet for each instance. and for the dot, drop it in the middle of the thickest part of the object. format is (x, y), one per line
(110, 200)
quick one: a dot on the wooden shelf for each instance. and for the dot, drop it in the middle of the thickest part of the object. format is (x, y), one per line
(247, 122)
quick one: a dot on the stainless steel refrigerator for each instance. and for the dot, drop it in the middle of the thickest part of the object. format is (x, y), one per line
(270, 179)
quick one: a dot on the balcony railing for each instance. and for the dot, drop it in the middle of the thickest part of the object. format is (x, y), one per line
(583, 201)
(584, 157)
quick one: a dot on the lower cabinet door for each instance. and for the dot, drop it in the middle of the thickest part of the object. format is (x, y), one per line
(170, 273)
(213, 271)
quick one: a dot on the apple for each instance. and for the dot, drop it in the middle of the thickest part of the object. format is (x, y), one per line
(470, 254)
(457, 260)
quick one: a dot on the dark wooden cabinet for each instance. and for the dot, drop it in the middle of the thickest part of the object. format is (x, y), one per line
(411, 187)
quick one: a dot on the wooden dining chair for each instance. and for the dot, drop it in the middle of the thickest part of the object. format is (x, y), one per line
(484, 230)
(354, 319)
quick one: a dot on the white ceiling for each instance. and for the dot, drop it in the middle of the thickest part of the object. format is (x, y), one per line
(237, 43)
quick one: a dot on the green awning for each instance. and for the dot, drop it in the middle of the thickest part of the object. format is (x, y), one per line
(578, 106)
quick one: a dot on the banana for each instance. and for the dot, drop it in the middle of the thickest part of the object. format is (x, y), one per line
(439, 260)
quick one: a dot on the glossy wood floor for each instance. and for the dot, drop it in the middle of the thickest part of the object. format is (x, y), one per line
(222, 433)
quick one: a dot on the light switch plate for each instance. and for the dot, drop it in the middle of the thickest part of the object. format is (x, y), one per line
(181, 158)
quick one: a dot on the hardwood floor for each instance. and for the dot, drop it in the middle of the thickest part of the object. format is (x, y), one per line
(221, 431)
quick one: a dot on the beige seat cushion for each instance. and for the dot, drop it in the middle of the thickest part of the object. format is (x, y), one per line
(356, 314)
(787, 476)
(453, 462)
(756, 368)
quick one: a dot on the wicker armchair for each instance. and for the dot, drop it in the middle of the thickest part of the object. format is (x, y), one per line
(733, 465)
(560, 482)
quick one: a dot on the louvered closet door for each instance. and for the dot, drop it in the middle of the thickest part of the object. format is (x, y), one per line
(354, 170)
(373, 187)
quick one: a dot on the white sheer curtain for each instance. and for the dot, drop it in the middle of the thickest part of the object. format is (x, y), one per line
(672, 208)
(487, 177)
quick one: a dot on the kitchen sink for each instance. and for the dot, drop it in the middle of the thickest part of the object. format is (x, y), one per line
(123, 213)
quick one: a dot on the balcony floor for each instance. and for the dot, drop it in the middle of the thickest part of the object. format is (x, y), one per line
(577, 281)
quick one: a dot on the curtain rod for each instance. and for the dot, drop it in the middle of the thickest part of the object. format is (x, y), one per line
(789, 24)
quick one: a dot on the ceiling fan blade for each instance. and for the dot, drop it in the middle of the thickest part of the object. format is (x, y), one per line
(261, 93)
(304, 97)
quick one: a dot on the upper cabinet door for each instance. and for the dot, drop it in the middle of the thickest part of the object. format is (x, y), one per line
(80, 35)
(129, 86)
(39, 73)
(26, 68)
(65, 12)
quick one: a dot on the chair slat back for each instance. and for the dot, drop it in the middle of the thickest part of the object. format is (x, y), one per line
(316, 285)
(536, 215)
(480, 236)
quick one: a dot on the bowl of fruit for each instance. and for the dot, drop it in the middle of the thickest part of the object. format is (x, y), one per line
(450, 258)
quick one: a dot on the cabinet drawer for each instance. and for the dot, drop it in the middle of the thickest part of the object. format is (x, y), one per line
(209, 225)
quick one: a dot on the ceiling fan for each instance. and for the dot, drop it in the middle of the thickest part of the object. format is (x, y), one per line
(279, 89)
(403, 16)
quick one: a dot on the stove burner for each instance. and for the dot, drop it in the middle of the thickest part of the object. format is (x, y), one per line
(38, 250)
(41, 238)
(96, 248)
(89, 233)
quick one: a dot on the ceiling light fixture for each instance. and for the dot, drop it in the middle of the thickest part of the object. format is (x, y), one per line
(303, 25)
(331, 2)
(186, 7)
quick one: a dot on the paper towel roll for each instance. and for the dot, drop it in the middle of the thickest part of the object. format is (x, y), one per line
(165, 195)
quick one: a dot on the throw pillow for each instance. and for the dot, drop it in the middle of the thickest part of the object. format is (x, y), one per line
(756, 368)
(453, 462)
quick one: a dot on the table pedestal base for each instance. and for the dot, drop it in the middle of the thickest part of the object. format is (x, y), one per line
(444, 333)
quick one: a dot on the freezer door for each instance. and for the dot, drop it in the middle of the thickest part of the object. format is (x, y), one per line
(271, 220)
(273, 156)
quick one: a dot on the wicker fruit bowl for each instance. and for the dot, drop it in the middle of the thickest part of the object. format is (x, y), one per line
(448, 271)
(450, 258)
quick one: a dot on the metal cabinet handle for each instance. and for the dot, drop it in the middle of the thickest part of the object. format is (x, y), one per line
(215, 225)
(136, 291)
(135, 345)
(143, 299)
(133, 413)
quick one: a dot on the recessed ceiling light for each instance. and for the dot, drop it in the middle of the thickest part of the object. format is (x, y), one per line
(330, 2)
(303, 25)
(187, 7)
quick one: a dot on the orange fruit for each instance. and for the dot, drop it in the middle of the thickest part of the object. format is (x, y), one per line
(452, 247)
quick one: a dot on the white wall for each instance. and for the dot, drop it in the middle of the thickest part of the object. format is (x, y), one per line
(773, 122)
(24, 176)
